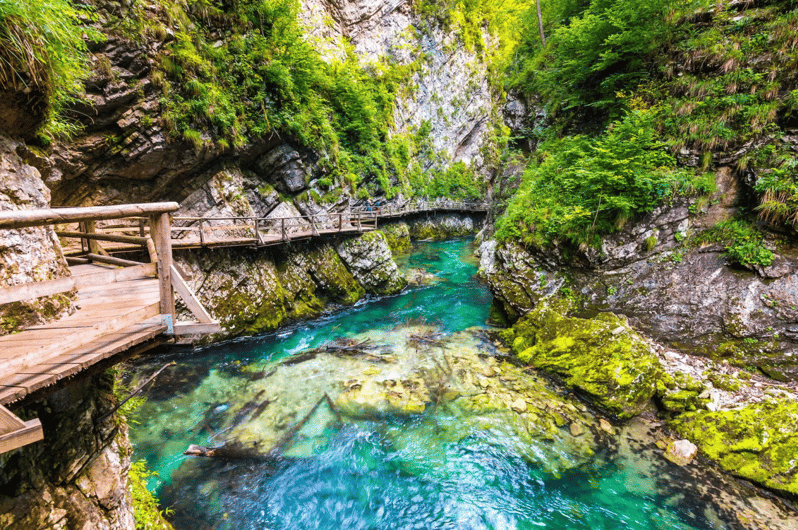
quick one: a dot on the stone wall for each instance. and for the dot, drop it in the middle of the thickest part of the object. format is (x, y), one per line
(76, 478)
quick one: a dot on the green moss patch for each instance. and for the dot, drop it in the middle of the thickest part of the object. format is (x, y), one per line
(758, 442)
(398, 237)
(601, 357)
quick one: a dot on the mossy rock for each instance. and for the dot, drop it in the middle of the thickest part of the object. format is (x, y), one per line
(757, 442)
(398, 237)
(724, 382)
(601, 357)
(682, 400)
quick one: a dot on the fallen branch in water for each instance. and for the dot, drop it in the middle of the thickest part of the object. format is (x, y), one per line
(137, 390)
(288, 436)
(229, 452)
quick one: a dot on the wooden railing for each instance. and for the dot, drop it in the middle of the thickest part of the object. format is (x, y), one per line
(201, 232)
(152, 225)
(391, 210)
(188, 232)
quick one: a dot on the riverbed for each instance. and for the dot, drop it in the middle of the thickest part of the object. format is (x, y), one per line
(407, 412)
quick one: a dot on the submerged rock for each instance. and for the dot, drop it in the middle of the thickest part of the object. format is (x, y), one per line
(420, 277)
(617, 370)
(758, 442)
(414, 378)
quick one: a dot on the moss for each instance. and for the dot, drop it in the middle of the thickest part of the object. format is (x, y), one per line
(245, 313)
(724, 382)
(332, 278)
(682, 400)
(756, 442)
(601, 357)
(398, 237)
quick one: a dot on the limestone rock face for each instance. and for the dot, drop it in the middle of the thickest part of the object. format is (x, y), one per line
(77, 476)
(286, 164)
(28, 254)
(442, 226)
(250, 291)
(398, 236)
(452, 92)
(688, 296)
(369, 259)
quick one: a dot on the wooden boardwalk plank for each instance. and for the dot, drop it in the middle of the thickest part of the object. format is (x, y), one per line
(40, 375)
(48, 343)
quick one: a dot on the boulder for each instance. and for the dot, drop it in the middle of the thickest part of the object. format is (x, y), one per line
(617, 371)
(369, 260)
(681, 452)
(756, 442)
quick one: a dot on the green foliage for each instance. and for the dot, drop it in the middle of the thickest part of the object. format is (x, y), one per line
(43, 51)
(146, 511)
(743, 242)
(582, 187)
(265, 78)
(778, 189)
(595, 49)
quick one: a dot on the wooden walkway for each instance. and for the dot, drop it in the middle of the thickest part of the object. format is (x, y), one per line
(124, 304)
(120, 306)
(223, 232)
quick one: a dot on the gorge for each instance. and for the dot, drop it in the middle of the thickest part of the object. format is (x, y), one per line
(632, 284)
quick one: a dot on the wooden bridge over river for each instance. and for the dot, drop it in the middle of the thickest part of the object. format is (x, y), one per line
(125, 282)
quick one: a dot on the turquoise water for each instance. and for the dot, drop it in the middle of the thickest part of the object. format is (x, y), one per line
(440, 469)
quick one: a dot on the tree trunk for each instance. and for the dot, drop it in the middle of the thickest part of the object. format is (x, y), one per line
(540, 23)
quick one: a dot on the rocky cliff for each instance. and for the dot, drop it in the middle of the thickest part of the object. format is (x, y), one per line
(77, 477)
(674, 285)
(27, 254)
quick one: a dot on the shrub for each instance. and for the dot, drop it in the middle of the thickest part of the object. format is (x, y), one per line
(595, 49)
(742, 242)
(582, 187)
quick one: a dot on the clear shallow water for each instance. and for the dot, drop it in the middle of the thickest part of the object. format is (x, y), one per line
(443, 469)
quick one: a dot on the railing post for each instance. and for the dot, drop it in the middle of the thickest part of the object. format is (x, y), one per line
(340, 221)
(359, 228)
(94, 246)
(282, 229)
(161, 230)
(201, 234)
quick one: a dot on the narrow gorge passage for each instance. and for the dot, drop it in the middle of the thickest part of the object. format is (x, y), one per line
(429, 425)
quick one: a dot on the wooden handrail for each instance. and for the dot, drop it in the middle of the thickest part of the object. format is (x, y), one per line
(49, 216)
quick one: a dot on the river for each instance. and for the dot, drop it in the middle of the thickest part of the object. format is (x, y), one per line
(429, 425)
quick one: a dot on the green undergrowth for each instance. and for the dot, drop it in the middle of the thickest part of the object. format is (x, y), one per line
(43, 54)
(146, 512)
(579, 188)
(719, 79)
(742, 242)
